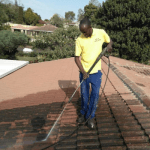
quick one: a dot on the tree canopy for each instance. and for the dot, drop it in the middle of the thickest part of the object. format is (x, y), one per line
(20, 15)
(127, 23)
(31, 17)
(80, 14)
(70, 15)
(56, 20)
(46, 20)
(90, 11)
(94, 2)
(9, 42)
(10, 12)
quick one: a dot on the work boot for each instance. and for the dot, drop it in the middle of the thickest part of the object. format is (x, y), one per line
(81, 119)
(91, 124)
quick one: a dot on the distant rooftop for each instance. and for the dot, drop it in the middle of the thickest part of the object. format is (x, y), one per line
(48, 27)
(24, 27)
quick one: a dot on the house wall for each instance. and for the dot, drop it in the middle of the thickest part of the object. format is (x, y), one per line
(17, 30)
(29, 32)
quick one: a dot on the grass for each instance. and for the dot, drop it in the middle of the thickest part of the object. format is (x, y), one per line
(28, 58)
(25, 58)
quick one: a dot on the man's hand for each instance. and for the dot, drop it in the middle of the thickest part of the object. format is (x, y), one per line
(80, 67)
(109, 46)
(85, 76)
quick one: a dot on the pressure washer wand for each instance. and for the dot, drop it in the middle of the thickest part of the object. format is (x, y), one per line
(98, 58)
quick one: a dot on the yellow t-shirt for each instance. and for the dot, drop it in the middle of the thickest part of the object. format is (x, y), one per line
(89, 49)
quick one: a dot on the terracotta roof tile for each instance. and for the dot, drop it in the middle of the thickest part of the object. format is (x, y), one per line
(48, 27)
(25, 27)
(42, 22)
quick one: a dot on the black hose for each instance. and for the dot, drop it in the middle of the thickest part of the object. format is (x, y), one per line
(89, 116)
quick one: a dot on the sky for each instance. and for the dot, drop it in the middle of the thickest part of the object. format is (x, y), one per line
(47, 8)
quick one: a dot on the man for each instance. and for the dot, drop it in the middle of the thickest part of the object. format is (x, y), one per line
(89, 46)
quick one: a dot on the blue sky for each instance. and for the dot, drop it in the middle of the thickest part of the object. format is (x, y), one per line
(47, 8)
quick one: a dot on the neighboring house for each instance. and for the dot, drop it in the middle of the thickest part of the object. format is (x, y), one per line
(42, 22)
(71, 24)
(33, 30)
(10, 24)
(48, 22)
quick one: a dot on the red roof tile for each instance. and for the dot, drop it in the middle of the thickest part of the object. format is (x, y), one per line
(42, 22)
(48, 27)
(25, 27)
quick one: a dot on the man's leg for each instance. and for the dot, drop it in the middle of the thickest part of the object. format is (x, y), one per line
(84, 97)
(84, 94)
(95, 80)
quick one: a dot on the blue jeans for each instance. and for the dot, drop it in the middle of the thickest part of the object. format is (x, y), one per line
(95, 80)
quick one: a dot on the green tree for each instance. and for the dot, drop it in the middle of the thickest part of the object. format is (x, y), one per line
(80, 14)
(9, 11)
(61, 43)
(39, 17)
(9, 43)
(46, 20)
(3, 16)
(12, 12)
(70, 15)
(94, 2)
(127, 23)
(20, 15)
(29, 16)
(36, 18)
(90, 11)
(56, 20)
(16, 3)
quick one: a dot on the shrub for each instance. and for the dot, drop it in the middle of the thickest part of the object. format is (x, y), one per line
(40, 41)
(9, 43)
(61, 43)
(40, 57)
(32, 54)
(40, 44)
(63, 37)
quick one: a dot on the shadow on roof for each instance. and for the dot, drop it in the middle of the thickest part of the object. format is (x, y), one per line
(23, 121)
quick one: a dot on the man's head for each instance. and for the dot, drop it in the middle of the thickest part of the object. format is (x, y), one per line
(85, 27)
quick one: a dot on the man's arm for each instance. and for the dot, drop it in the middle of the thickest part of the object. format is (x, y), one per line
(109, 46)
(78, 51)
(78, 62)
